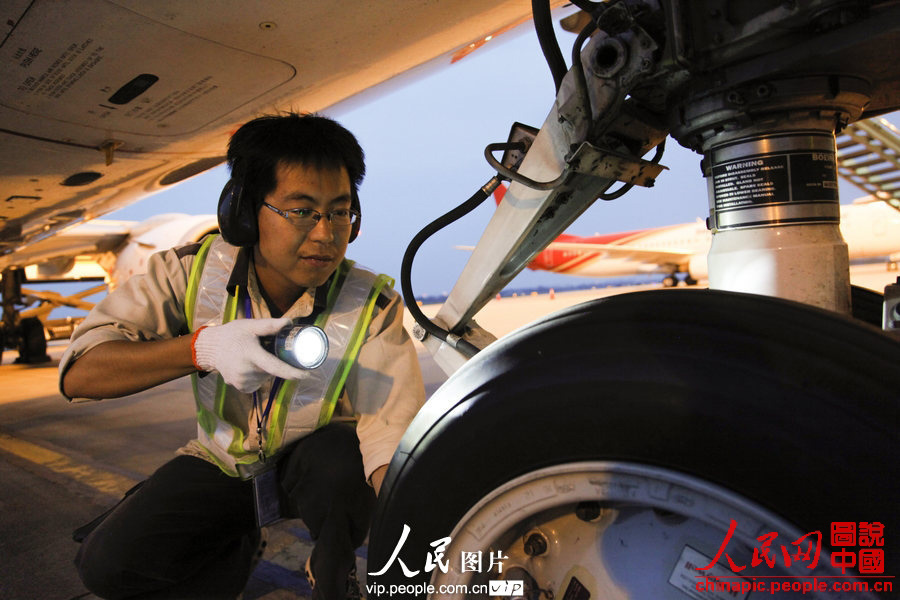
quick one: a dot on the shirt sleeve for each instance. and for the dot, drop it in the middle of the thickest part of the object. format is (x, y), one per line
(146, 307)
(386, 375)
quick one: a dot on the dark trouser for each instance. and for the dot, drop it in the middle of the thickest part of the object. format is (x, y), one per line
(190, 531)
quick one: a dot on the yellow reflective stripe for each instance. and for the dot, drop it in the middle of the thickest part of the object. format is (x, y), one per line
(280, 410)
(359, 335)
(206, 419)
(231, 305)
(193, 285)
(210, 421)
(329, 401)
(236, 448)
(278, 418)
(225, 467)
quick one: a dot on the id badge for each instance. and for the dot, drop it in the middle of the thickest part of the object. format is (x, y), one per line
(266, 498)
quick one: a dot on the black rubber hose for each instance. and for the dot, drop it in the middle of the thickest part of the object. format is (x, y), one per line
(586, 5)
(406, 267)
(513, 175)
(543, 26)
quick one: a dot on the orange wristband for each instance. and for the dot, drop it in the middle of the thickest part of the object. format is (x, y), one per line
(194, 349)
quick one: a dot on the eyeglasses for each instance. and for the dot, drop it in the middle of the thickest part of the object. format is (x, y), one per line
(307, 218)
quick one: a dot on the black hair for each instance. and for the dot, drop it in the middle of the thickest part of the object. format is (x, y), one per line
(256, 149)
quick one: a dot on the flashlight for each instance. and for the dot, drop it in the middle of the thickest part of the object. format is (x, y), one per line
(303, 346)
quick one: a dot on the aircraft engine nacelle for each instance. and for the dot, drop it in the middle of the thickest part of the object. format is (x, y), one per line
(55, 267)
(155, 235)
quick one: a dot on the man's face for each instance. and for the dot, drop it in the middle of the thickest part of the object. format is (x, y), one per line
(288, 259)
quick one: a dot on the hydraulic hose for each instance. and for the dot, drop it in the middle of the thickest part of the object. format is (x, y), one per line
(586, 5)
(432, 328)
(513, 175)
(543, 26)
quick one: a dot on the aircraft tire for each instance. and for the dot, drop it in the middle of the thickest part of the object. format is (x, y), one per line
(32, 344)
(791, 409)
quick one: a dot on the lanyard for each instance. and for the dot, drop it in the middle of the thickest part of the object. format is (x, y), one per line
(261, 418)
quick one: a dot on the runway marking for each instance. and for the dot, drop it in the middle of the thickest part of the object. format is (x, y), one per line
(102, 481)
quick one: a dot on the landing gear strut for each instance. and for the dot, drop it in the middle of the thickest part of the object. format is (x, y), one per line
(26, 335)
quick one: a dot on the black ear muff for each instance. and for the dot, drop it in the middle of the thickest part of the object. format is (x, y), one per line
(237, 219)
(354, 204)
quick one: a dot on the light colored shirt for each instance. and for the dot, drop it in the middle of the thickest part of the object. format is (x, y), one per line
(386, 373)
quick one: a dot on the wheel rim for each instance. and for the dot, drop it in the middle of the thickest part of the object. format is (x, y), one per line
(654, 526)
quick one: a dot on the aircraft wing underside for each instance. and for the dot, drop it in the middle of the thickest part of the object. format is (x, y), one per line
(107, 101)
(54, 255)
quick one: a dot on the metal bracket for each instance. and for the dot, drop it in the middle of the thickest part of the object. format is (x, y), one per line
(612, 165)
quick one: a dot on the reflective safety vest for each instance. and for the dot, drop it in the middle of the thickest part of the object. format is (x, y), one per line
(300, 406)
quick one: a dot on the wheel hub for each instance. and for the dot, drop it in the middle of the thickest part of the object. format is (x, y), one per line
(615, 531)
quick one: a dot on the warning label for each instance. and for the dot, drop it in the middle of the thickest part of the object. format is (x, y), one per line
(127, 73)
(775, 179)
(65, 70)
(173, 102)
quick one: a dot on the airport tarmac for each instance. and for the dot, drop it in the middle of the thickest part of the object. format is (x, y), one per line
(62, 464)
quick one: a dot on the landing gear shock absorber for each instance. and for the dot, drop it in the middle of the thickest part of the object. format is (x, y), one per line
(769, 160)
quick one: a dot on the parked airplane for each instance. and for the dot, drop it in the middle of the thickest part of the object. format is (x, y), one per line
(108, 250)
(870, 227)
(103, 251)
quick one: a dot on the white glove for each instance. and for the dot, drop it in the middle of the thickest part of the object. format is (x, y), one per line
(233, 350)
